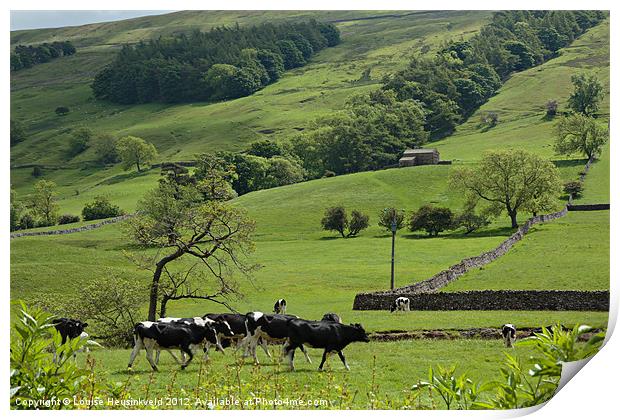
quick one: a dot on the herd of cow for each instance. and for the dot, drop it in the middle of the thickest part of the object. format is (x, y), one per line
(245, 332)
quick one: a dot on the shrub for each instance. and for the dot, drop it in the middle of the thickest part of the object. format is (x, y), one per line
(35, 374)
(68, 218)
(489, 118)
(431, 219)
(574, 188)
(62, 110)
(27, 221)
(388, 214)
(552, 108)
(336, 219)
(470, 221)
(358, 222)
(100, 208)
(37, 171)
(79, 141)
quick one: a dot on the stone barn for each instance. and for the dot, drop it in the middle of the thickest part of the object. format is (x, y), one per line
(416, 157)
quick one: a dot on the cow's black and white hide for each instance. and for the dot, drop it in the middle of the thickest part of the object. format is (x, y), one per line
(400, 304)
(509, 333)
(69, 329)
(268, 329)
(331, 317)
(168, 336)
(241, 334)
(332, 337)
(222, 330)
(279, 307)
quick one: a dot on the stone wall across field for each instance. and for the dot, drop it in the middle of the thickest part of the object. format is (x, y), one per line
(72, 230)
(492, 300)
(445, 277)
(588, 207)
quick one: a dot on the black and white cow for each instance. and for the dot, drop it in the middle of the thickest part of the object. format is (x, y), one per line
(222, 330)
(167, 336)
(241, 334)
(400, 304)
(268, 329)
(69, 328)
(279, 307)
(332, 337)
(330, 316)
(509, 333)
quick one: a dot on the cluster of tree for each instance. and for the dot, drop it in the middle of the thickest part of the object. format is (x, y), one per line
(336, 219)
(26, 56)
(18, 132)
(465, 74)
(41, 208)
(370, 133)
(579, 132)
(223, 63)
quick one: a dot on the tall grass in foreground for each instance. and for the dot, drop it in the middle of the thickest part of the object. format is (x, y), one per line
(40, 381)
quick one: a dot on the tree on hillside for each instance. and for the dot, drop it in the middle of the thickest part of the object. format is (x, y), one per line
(387, 215)
(265, 148)
(135, 151)
(511, 181)
(336, 219)
(587, 94)
(44, 202)
(200, 245)
(16, 211)
(18, 133)
(80, 140)
(579, 133)
(105, 148)
(431, 219)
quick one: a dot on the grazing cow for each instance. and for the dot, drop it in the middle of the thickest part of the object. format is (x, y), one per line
(268, 329)
(332, 337)
(331, 317)
(509, 332)
(400, 304)
(169, 335)
(279, 307)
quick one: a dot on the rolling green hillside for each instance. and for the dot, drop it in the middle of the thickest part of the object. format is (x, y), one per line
(314, 271)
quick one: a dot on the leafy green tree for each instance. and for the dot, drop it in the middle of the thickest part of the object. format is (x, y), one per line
(283, 171)
(387, 215)
(79, 140)
(510, 181)
(220, 80)
(587, 94)
(135, 151)
(214, 177)
(45, 202)
(105, 148)
(579, 133)
(291, 56)
(273, 64)
(431, 219)
(336, 219)
(574, 188)
(469, 220)
(265, 148)
(100, 208)
(357, 223)
(18, 132)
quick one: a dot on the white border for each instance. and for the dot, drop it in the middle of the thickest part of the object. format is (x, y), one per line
(592, 393)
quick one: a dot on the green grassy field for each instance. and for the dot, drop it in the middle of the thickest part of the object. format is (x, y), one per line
(398, 365)
(314, 270)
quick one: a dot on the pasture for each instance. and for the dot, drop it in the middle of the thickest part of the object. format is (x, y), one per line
(315, 271)
(381, 374)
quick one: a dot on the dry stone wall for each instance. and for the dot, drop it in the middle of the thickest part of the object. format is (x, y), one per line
(72, 230)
